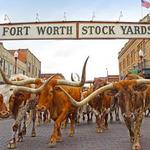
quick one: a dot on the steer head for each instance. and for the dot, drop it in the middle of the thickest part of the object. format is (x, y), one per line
(130, 97)
(98, 83)
(46, 95)
(16, 101)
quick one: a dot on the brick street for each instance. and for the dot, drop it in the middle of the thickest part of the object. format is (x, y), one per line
(115, 138)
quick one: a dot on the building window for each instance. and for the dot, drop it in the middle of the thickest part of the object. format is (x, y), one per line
(39, 73)
(11, 69)
(128, 60)
(124, 64)
(36, 71)
(32, 69)
(132, 56)
(29, 67)
(1, 62)
(6, 67)
(120, 66)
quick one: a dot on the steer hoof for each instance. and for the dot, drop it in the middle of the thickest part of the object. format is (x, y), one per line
(52, 144)
(71, 134)
(20, 139)
(136, 146)
(99, 130)
(24, 131)
(11, 145)
(59, 139)
(33, 134)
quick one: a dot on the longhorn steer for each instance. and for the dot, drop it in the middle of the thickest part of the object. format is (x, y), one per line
(131, 102)
(20, 102)
(60, 108)
(101, 103)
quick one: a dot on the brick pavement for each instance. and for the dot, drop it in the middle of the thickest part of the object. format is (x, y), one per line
(115, 138)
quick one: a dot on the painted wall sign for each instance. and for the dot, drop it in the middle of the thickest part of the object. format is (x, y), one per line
(74, 30)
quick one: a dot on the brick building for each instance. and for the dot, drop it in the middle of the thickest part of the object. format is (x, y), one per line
(130, 58)
(27, 63)
(110, 78)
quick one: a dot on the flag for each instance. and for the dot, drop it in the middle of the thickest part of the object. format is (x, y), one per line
(145, 3)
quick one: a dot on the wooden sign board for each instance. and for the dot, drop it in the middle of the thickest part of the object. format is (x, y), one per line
(74, 30)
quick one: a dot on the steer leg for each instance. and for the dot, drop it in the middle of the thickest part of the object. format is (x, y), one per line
(24, 125)
(78, 116)
(72, 124)
(88, 117)
(117, 114)
(39, 116)
(91, 116)
(98, 123)
(129, 126)
(20, 134)
(106, 121)
(111, 117)
(137, 126)
(33, 134)
(55, 135)
(12, 142)
(64, 123)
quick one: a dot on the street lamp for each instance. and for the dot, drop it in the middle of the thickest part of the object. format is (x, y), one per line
(107, 73)
(16, 57)
(141, 55)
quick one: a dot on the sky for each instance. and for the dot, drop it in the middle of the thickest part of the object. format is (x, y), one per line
(67, 56)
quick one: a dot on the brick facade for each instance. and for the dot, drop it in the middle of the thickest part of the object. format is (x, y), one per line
(129, 58)
(27, 63)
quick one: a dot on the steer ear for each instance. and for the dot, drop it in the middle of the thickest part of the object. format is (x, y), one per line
(140, 88)
(112, 92)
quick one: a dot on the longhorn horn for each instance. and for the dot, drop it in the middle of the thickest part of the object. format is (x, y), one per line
(90, 97)
(18, 83)
(142, 81)
(79, 83)
(6, 80)
(31, 90)
(72, 77)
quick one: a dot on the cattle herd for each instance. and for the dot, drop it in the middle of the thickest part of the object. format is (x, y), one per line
(37, 100)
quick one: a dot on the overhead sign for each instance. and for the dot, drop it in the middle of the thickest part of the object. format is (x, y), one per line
(74, 30)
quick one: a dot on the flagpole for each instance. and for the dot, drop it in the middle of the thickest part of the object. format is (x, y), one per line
(141, 11)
